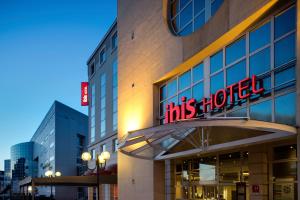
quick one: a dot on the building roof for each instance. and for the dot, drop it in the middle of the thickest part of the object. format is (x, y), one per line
(102, 40)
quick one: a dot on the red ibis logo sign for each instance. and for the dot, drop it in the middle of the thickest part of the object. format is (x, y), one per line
(190, 108)
(84, 93)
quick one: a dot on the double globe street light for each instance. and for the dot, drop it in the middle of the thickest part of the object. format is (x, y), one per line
(49, 174)
(101, 161)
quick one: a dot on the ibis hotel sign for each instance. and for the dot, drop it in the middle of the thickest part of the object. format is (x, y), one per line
(190, 108)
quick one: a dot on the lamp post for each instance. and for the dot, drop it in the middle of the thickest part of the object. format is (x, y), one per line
(49, 174)
(100, 164)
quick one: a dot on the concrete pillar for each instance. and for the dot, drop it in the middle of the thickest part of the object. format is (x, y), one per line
(258, 169)
(169, 180)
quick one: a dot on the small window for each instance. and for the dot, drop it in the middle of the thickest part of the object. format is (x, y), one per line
(102, 56)
(236, 72)
(198, 73)
(115, 145)
(92, 68)
(114, 41)
(184, 80)
(93, 153)
(103, 147)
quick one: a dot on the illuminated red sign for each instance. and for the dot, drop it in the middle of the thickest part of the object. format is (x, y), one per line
(190, 108)
(84, 93)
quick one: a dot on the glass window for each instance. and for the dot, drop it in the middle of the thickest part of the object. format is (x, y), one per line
(186, 15)
(261, 111)
(163, 93)
(260, 62)
(188, 29)
(114, 41)
(285, 50)
(172, 88)
(102, 56)
(198, 91)
(238, 113)
(285, 171)
(235, 50)
(216, 62)
(236, 72)
(260, 37)
(198, 73)
(285, 109)
(285, 152)
(198, 6)
(284, 77)
(115, 145)
(199, 20)
(285, 22)
(216, 82)
(189, 15)
(186, 93)
(184, 80)
(173, 100)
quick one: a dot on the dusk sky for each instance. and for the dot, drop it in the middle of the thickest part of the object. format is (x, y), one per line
(44, 46)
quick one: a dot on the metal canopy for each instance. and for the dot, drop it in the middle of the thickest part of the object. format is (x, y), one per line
(69, 181)
(200, 136)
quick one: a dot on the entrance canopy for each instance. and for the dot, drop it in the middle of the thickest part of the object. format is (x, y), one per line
(198, 136)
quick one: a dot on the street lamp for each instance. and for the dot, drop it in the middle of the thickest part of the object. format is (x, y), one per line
(101, 161)
(49, 174)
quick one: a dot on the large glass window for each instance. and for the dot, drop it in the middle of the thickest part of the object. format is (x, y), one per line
(271, 56)
(102, 105)
(115, 95)
(92, 110)
(189, 15)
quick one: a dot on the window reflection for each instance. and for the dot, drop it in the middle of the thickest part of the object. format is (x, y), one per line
(235, 50)
(285, 50)
(216, 62)
(172, 88)
(285, 22)
(260, 37)
(261, 111)
(198, 73)
(236, 72)
(184, 80)
(216, 82)
(285, 112)
(260, 62)
(198, 91)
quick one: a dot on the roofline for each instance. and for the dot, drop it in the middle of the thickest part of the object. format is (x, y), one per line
(102, 40)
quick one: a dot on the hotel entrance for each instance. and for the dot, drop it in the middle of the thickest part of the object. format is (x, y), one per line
(212, 177)
(221, 158)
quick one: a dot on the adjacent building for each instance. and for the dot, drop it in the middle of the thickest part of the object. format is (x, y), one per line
(208, 95)
(103, 104)
(57, 146)
(22, 163)
(2, 186)
(59, 142)
(7, 172)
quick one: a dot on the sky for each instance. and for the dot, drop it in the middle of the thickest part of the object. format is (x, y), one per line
(44, 46)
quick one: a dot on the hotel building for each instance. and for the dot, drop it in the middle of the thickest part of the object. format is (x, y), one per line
(208, 99)
(103, 110)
